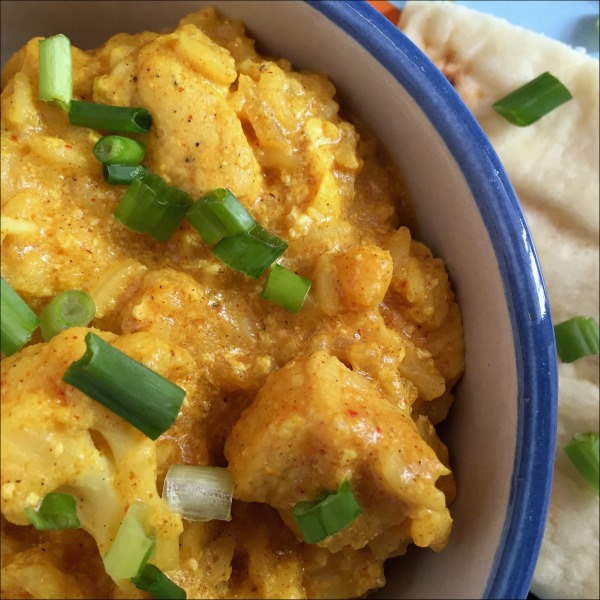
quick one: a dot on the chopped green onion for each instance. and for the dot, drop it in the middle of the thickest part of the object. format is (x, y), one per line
(155, 182)
(71, 308)
(142, 397)
(219, 214)
(118, 149)
(151, 206)
(122, 174)
(153, 581)
(199, 493)
(56, 71)
(532, 101)
(18, 321)
(132, 547)
(110, 118)
(583, 450)
(57, 511)
(286, 289)
(576, 338)
(139, 208)
(177, 203)
(327, 514)
(251, 252)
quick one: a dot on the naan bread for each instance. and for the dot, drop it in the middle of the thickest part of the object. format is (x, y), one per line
(553, 165)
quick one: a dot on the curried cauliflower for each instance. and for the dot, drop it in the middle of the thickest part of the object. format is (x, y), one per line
(314, 424)
(348, 388)
(55, 438)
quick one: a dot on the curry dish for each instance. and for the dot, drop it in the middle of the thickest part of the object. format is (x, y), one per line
(349, 388)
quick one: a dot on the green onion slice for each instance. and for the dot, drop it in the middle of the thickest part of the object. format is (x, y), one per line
(151, 206)
(219, 214)
(17, 320)
(153, 581)
(71, 308)
(155, 182)
(583, 450)
(251, 252)
(532, 101)
(576, 338)
(57, 511)
(142, 397)
(286, 289)
(199, 493)
(177, 203)
(110, 118)
(122, 174)
(132, 546)
(56, 71)
(118, 149)
(139, 208)
(327, 514)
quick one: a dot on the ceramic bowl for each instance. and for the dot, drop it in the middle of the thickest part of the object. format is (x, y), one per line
(501, 429)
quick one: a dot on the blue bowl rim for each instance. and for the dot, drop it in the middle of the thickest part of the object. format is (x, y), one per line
(533, 332)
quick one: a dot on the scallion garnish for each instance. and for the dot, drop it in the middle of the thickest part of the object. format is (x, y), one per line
(132, 546)
(56, 71)
(177, 203)
(151, 206)
(251, 252)
(153, 581)
(71, 308)
(122, 174)
(155, 182)
(219, 214)
(110, 118)
(583, 450)
(286, 289)
(199, 493)
(145, 399)
(139, 208)
(532, 101)
(118, 149)
(576, 338)
(327, 514)
(18, 321)
(57, 511)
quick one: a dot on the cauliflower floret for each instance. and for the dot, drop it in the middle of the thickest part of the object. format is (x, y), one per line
(55, 438)
(197, 141)
(352, 280)
(314, 424)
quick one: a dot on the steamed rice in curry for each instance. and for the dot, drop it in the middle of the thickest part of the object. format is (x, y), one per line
(347, 389)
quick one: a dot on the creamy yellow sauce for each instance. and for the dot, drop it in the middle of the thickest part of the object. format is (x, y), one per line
(349, 388)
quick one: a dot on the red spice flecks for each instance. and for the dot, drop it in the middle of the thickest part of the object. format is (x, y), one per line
(352, 413)
(189, 118)
(180, 89)
(68, 146)
(378, 430)
(131, 475)
(13, 137)
(92, 199)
